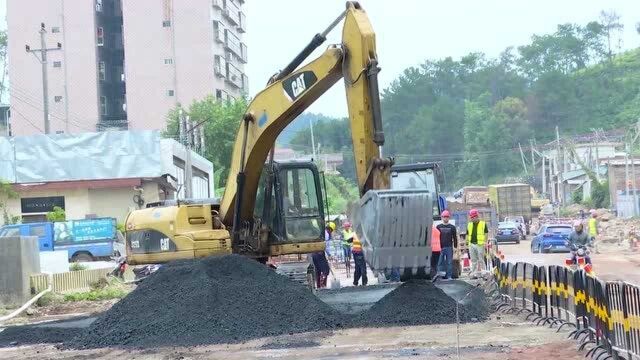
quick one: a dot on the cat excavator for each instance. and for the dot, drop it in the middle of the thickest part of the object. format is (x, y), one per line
(272, 208)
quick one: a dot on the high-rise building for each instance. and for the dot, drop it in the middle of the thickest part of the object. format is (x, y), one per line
(178, 51)
(86, 89)
(123, 63)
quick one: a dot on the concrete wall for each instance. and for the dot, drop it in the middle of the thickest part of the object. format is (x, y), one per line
(108, 202)
(75, 20)
(76, 201)
(19, 259)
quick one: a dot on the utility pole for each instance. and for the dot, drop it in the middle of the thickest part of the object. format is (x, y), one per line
(544, 176)
(524, 164)
(626, 171)
(45, 81)
(533, 159)
(188, 171)
(597, 156)
(313, 143)
(557, 167)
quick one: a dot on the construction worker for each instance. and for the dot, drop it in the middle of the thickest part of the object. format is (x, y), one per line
(448, 241)
(322, 268)
(358, 258)
(435, 250)
(477, 232)
(328, 231)
(347, 235)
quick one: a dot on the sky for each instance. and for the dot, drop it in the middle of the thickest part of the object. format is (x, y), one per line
(408, 32)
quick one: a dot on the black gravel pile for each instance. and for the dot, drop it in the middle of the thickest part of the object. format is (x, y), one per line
(420, 303)
(25, 335)
(225, 299)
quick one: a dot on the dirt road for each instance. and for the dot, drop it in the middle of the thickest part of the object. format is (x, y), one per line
(613, 263)
(506, 337)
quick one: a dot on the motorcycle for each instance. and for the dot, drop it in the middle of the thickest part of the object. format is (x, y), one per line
(578, 259)
(140, 273)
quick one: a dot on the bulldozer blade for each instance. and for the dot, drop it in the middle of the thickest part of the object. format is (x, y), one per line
(394, 227)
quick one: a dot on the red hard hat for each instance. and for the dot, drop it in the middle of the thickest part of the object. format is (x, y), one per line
(473, 213)
(446, 213)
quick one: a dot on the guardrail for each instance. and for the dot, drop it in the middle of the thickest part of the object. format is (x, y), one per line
(70, 281)
(605, 315)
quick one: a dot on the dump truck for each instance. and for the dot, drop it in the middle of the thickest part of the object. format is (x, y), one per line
(511, 201)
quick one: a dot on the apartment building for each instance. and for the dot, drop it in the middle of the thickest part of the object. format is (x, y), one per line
(122, 64)
(179, 51)
(86, 89)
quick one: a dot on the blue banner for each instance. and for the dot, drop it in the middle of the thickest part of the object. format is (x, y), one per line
(84, 230)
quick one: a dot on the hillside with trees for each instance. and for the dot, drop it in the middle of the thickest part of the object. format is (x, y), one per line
(473, 113)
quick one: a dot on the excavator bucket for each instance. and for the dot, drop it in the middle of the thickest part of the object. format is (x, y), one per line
(394, 227)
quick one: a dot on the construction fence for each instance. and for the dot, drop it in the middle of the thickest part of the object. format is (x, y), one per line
(602, 315)
(70, 281)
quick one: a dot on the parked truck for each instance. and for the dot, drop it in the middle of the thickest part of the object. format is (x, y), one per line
(84, 240)
(511, 201)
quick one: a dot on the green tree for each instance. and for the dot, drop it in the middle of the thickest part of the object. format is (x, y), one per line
(7, 192)
(58, 214)
(612, 28)
(221, 121)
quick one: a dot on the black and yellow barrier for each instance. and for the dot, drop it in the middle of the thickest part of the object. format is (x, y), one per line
(604, 315)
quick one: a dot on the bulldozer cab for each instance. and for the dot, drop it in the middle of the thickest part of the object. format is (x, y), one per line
(289, 203)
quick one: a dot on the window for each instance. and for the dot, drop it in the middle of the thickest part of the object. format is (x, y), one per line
(103, 105)
(100, 34)
(168, 61)
(166, 23)
(57, 98)
(57, 64)
(37, 230)
(102, 70)
(55, 29)
(170, 92)
(300, 204)
(7, 232)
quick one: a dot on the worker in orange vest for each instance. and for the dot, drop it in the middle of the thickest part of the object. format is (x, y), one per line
(435, 250)
(358, 259)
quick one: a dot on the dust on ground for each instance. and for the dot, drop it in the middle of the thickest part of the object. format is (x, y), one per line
(501, 337)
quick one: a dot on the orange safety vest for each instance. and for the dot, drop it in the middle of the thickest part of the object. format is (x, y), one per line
(356, 245)
(435, 240)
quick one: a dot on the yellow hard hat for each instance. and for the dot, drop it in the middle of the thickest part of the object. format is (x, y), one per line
(331, 225)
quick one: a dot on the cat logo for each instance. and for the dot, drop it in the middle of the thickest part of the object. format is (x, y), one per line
(297, 84)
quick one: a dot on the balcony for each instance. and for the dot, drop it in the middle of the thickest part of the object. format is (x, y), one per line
(218, 32)
(232, 42)
(243, 53)
(232, 12)
(242, 27)
(220, 66)
(234, 76)
(217, 4)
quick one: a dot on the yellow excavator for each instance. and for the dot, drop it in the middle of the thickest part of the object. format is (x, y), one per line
(273, 208)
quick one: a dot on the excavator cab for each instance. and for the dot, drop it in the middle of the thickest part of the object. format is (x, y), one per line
(289, 203)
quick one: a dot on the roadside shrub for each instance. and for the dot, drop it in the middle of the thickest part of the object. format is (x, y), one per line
(77, 267)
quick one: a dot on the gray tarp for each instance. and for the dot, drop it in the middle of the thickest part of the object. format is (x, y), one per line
(87, 156)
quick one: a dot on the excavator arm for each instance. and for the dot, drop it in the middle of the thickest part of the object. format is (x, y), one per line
(292, 91)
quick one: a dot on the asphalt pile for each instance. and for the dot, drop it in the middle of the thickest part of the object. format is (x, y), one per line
(215, 300)
(234, 299)
(421, 303)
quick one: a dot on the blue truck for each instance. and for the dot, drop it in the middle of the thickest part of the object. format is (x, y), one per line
(84, 240)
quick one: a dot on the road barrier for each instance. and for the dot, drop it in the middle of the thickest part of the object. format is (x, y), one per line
(602, 315)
